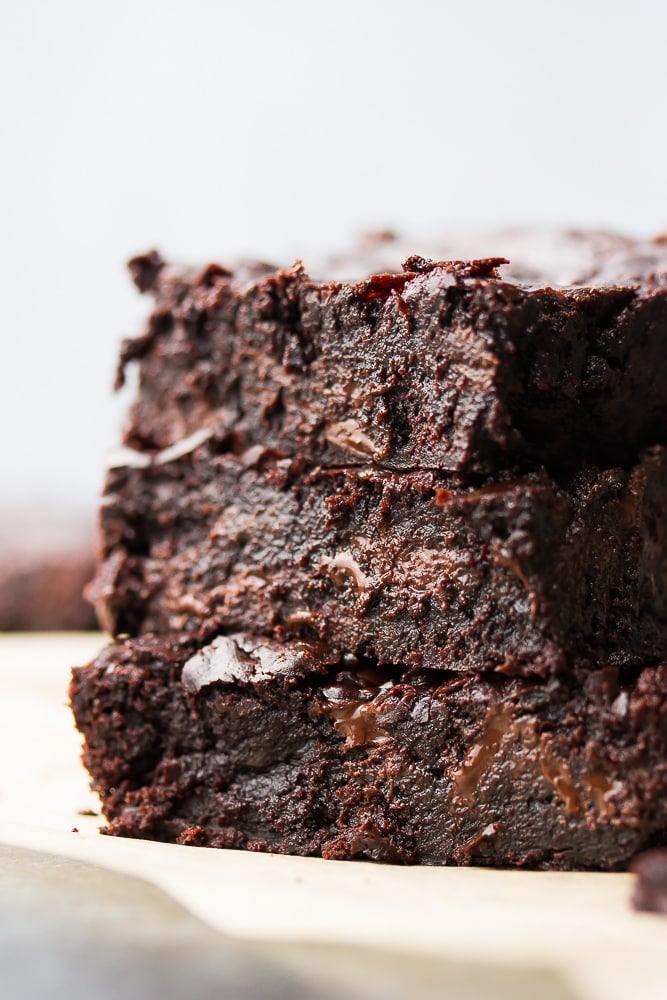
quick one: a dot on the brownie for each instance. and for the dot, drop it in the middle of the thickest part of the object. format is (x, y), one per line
(46, 561)
(385, 556)
(427, 569)
(46, 594)
(650, 889)
(441, 363)
(249, 743)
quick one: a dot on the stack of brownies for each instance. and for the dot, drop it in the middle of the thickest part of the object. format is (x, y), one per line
(385, 557)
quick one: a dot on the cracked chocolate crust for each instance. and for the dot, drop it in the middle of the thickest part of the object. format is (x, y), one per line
(515, 574)
(457, 365)
(252, 744)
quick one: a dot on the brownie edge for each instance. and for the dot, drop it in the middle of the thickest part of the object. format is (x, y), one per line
(249, 743)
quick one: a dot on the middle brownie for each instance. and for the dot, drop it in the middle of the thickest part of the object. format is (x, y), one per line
(424, 569)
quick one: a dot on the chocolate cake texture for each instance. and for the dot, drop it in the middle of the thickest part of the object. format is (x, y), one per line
(423, 569)
(267, 746)
(385, 557)
(447, 364)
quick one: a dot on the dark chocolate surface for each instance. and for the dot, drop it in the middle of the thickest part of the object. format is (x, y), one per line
(294, 752)
(514, 574)
(461, 365)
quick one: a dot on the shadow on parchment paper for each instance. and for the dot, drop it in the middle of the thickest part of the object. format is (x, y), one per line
(72, 930)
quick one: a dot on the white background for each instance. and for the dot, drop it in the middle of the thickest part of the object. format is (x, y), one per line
(212, 129)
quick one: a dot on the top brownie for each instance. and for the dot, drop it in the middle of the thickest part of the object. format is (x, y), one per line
(552, 352)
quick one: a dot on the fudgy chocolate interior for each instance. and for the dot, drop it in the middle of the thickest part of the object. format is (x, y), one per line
(278, 746)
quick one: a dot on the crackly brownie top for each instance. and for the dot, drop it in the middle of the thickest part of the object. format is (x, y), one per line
(529, 258)
(534, 258)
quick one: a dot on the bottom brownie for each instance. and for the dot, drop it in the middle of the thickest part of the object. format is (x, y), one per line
(278, 747)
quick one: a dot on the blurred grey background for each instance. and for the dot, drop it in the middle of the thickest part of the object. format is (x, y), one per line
(214, 129)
